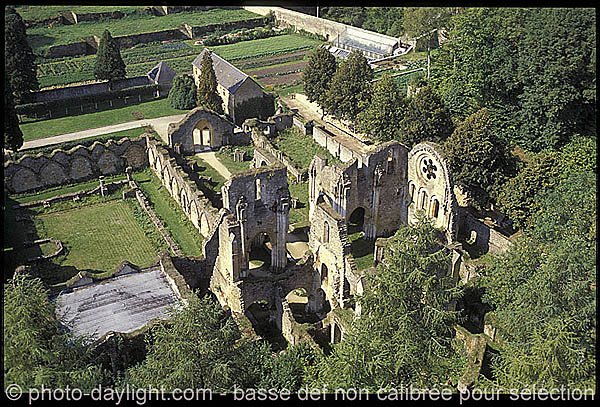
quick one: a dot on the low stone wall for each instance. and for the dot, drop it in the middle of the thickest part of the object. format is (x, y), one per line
(35, 172)
(326, 139)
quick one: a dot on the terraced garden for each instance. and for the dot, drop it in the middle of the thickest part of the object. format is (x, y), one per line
(264, 53)
(41, 38)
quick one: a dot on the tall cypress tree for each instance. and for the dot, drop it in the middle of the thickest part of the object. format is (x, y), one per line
(19, 60)
(207, 85)
(13, 137)
(109, 64)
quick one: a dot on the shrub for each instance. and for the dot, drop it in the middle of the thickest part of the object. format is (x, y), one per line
(183, 93)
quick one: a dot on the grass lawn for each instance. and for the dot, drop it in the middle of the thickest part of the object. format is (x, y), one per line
(300, 148)
(299, 216)
(99, 237)
(54, 127)
(185, 234)
(40, 38)
(64, 189)
(43, 12)
(225, 156)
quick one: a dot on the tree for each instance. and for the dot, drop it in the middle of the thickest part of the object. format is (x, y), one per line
(37, 348)
(13, 137)
(19, 60)
(518, 197)
(292, 369)
(404, 335)
(423, 22)
(207, 86)
(534, 69)
(543, 293)
(425, 119)
(183, 93)
(478, 160)
(200, 348)
(109, 65)
(350, 87)
(318, 74)
(381, 117)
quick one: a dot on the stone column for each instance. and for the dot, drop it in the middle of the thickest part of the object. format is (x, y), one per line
(128, 173)
(102, 186)
(279, 251)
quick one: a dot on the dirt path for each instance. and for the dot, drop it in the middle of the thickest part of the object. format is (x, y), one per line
(211, 159)
(160, 124)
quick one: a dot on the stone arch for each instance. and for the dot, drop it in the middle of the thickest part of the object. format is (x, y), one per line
(200, 129)
(175, 189)
(25, 180)
(202, 135)
(204, 225)
(183, 199)
(81, 168)
(422, 200)
(356, 220)
(135, 156)
(194, 215)
(109, 163)
(53, 174)
(434, 207)
(411, 192)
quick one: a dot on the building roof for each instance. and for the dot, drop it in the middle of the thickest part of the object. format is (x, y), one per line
(162, 72)
(228, 76)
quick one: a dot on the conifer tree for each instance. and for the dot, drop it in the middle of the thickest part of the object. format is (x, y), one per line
(207, 86)
(13, 137)
(109, 65)
(19, 60)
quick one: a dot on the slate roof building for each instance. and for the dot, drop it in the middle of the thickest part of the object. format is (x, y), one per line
(162, 73)
(233, 85)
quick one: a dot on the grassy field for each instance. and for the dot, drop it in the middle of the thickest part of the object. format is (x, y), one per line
(88, 141)
(64, 189)
(225, 156)
(187, 237)
(41, 38)
(43, 12)
(100, 236)
(299, 216)
(53, 127)
(300, 148)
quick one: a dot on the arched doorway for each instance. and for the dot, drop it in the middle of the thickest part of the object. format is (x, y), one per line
(324, 274)
(260, 252)
(356, 220)
(202, 136)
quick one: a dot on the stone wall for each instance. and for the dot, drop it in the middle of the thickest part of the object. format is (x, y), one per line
(184, 191)
(267, 154)
(35, 172)
(326, 139)
(487, 239)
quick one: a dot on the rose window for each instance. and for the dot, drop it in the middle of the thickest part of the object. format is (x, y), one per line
(429, 168)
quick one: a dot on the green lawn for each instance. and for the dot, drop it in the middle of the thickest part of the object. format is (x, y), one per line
(41, 38)
(300, 148)
(88, 141)
(43, 12)
(187, 237)
(225, 156)
(212, 181)
(64, 189)
(299, 216)
(53, 127)
(99, 237)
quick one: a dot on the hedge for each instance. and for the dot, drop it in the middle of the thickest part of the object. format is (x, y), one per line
(41, 108)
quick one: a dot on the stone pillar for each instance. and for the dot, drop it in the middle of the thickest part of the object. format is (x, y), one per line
(241, 208)
(102, 186)
(128, 173)
(279, 251)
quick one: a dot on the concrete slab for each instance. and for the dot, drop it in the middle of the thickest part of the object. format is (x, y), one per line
(121, 304)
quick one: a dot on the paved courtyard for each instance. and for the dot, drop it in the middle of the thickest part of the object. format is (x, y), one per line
(120, 304)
